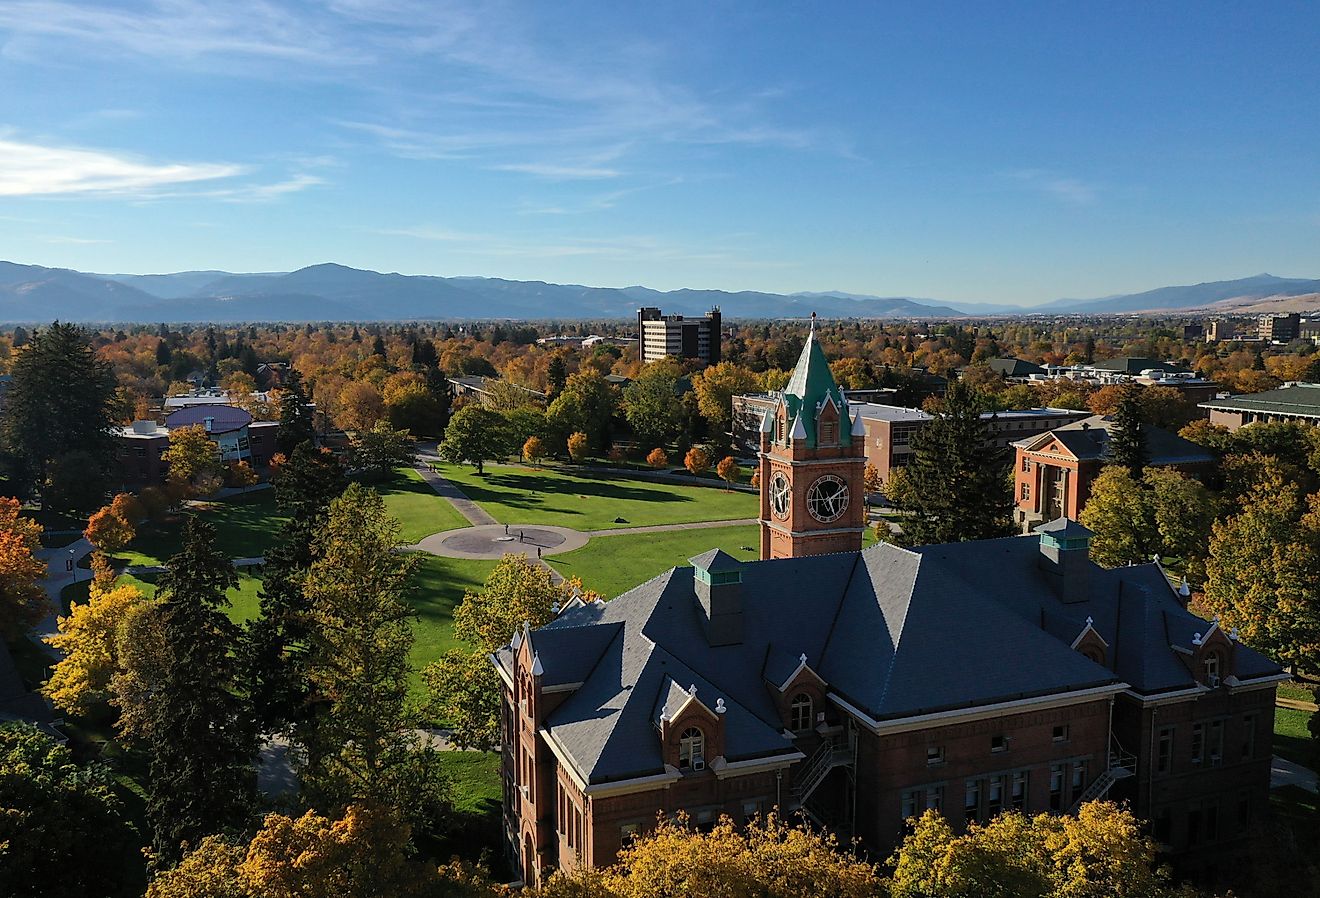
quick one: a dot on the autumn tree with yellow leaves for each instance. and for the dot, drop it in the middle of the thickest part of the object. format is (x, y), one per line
(88, 640)
(22, 599)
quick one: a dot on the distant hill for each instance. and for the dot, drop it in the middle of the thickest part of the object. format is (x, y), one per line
(331, 292)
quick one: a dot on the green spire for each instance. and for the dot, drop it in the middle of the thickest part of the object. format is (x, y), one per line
(809, 387)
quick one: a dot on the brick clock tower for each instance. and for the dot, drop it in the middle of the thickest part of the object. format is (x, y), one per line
(812, 466)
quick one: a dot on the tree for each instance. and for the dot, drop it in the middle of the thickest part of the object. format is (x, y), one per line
(657, 458)
(360, 743)
(238, 474)
(382, 449)
(586, 405)
(59, 402)
(200, 740)
(1119, 512)
(1127, 440)
(360, 406)
(533, 450)
(697, 461)
(63, 831)
(715, 388)
(556, 375)
(75, 482)
(275, 642)
(728, 470)
(474, 435)
(22, 599)
(871, 481)
(1099, 852)
(194, 461)
(462, 685)
(295, 414)
(955, 487)
(766, 857)
(1184, 512)
(651, 405)
(109, 531)
(412, 408)
(577, 446)
(88, 643)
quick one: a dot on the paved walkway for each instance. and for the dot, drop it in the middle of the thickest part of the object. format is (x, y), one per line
(1285, 773)
(494, 541)
(475, 514)
(58, 575)
(1295, 704)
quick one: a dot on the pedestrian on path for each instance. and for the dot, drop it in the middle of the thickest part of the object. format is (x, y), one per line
(506, 529)
(538, 553)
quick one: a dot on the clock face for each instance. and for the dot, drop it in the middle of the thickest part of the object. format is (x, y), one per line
(781, 496)
(827, 499)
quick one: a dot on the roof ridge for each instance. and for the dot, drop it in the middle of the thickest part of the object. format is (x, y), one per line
(893, 655)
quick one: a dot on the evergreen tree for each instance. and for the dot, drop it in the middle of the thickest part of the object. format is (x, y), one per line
(59, 402)
(356, 336)
(275, 642)
(556, 376)
(200, 739)
(164, 355)
(960, 488)
(378, 346)
(295, 415)
(1127, 440)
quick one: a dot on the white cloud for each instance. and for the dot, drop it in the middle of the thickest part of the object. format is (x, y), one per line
(559, 172)
(28, 169)
(1067, 190)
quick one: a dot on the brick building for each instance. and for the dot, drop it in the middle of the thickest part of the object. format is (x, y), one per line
(141, 446)
(1294, 402)
(1053, 471)
(861, 687)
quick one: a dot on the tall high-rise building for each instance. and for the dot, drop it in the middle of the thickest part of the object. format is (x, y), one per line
(660, 335)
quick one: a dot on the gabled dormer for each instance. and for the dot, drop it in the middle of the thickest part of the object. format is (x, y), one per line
(1091, 644)
(1212, 655)
(691, 732)
(797, 691)
(828, 422)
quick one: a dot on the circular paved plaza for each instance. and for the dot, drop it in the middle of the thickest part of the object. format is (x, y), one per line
(493, 541)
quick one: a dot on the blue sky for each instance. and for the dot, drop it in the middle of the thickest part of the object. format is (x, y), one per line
(962, 151)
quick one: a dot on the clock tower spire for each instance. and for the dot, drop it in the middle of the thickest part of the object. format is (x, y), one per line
(812, 461)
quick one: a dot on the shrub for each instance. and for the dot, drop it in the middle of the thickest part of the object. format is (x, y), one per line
(658, 458)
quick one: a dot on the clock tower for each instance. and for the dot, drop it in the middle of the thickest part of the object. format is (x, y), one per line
(812, 463)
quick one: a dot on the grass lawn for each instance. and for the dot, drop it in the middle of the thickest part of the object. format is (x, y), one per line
(515, 494)
(244, 527)
(1292, 740)
(243, 598)
(420, 511)
(475, 777)
(439, 586)
(615, 564)
(1300, 692)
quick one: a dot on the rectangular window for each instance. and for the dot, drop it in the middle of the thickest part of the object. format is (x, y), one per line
(1193, 827)
(910, 804)
(1026, 492)
(972, 801)
(1212, 823)
(1198, 743)
(995, 799)
(1026, 464)
(1163, 829)
(1018, 799)
(998, 743)
(627, 833)
(1056, 787)
(1060, 733)
(1248, 737)
(751, 809)
(1216, 742)
(1244, 810)
(934, 755)
(1078, 780)
(1164, 750)
(935, 798)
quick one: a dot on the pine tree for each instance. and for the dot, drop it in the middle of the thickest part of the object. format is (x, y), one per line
(959, 479)
(556, 376)
(200, 741)
(1127, 440)
(275, 642)
(295, 415)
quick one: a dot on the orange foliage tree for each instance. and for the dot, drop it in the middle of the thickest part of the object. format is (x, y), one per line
(658, 458)
(22, 599)
(729, 471)
(577, 447)
(697, 461)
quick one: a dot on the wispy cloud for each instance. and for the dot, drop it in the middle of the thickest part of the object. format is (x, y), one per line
(558, 172)
(1067, 190)
(28, 169)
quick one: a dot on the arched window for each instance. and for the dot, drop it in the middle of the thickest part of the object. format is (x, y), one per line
(1212, 668)
(799, 713)
(691, 747)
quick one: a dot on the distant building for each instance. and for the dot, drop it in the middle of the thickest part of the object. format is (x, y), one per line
(140, 462)
(1054, 471)
(200, 396)
(1294, 402)
(1279, 328)
(661, 335)
(1192, 331)
(1015, 369)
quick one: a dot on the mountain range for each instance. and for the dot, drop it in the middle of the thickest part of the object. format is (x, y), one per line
(331, 292)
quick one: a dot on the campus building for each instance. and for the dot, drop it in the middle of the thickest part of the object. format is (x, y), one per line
(860, 688)
(1293, 402)
(660, 335)
(140, 457)
(1054, 471)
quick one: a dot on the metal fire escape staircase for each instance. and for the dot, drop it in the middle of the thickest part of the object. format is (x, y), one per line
(1121, 765)
(815, 769)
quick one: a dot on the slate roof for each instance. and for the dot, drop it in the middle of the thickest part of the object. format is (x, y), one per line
(1136, 365)
(1088, 440)
(1012, 367)
(894, 632)
(1301, 400)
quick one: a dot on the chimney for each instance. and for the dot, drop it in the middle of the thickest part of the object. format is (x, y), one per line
(1065, 558)
(717, 582)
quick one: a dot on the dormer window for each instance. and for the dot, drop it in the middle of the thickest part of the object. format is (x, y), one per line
(829, 433)
(1212, 669)
(799, 713)
(692, 749)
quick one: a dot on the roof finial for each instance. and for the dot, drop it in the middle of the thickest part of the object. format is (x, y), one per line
(803, 657)
(719, 706)
(692, 690)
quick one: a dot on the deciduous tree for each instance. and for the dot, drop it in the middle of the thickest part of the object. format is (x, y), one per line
(715, 388)
(475, 434)
(577, 446)
(379, 451)
(728, 470)
(194, 461)
(75, 482)
(651, 404)
(697, 461)
(657, 458)
(1119, 512)
(359, 406)
(88, 642)
(108, 530)
(22, 599)
(586, 405)
(533, 450)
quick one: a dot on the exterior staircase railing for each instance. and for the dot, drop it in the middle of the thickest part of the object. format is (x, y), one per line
(1121, 765)
(818, 766)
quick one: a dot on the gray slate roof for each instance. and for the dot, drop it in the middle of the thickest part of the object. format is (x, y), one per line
(1011, 367)
(895, 632)
(1088, 439)
(1302, 400)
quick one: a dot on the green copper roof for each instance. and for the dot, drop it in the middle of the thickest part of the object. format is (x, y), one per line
(810, 384)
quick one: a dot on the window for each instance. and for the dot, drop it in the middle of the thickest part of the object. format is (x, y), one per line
(1163, 830)
(1212, 823)
(1198, 743)
(972, 801)
(627, 833)
(935, 798)
(751, 809)
(1193, 827)
(998, 743)
(1056, 787)
(1078, 780)
(995, 802)
(1060, 733)
(1026, 492)
(256, 438)
(1018, 797)
(691, 748)
(1244, 809)
(1216, 742)
(1164, 751)
(934, 755)
(910, 804)
(829, 433)
(1026, 464)
(1212, 669)
(799, 713)
(1248, 737)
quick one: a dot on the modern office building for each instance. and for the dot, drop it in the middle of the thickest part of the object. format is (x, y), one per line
(660, 335)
